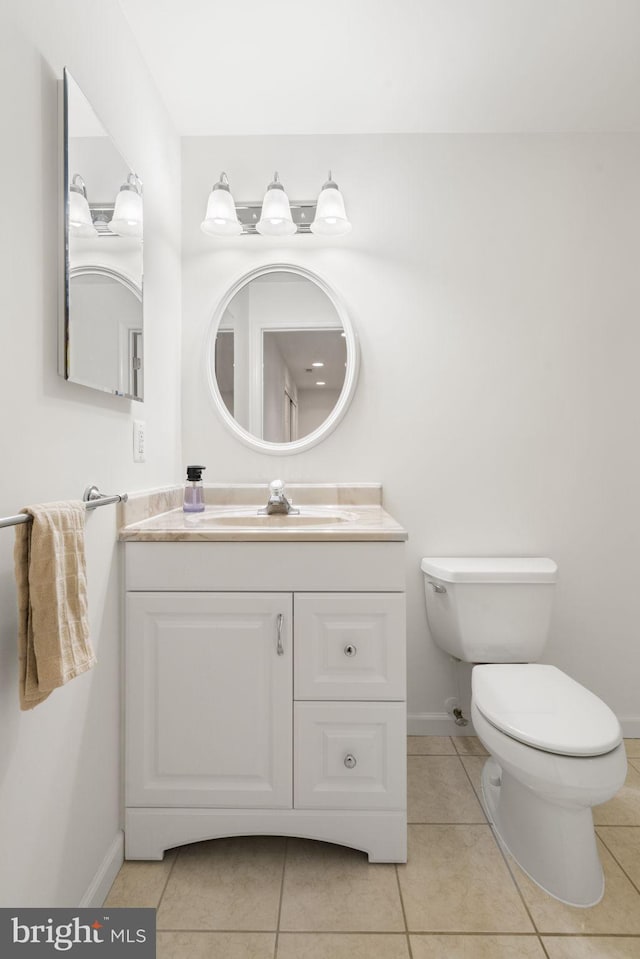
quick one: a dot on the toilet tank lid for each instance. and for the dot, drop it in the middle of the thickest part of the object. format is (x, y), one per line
(541, 706)
(490, 569)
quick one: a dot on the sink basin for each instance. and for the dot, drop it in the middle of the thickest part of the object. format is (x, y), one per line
(308, 516)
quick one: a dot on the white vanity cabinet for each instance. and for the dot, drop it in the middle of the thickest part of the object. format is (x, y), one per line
(265, 694)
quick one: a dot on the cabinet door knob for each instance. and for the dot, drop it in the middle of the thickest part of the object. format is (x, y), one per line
(350, 650)
(279, 645)
(350, 761)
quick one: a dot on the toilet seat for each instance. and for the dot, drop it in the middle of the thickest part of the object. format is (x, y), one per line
(541, 706)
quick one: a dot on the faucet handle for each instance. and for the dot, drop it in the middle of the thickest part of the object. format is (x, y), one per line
(276, 486)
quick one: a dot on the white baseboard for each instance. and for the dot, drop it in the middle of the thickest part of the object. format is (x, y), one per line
(630, 727)
(102, 882)
(436, 724)
(441, 724)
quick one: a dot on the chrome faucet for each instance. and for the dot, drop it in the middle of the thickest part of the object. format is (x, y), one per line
(277, 502)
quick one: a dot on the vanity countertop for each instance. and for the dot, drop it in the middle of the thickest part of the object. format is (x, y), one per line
(327, 514)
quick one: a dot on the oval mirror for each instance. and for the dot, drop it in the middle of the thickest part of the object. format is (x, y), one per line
(282, 359)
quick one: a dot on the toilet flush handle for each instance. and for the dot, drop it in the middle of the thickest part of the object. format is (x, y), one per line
(436, 587)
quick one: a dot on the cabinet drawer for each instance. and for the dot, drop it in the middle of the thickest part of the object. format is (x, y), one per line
(199, 566)
(350, 756)
(350, 646)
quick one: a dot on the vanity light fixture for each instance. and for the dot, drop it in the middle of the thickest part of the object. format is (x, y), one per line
(275, 218)
(317, 364)
(127, 213)
(221, 218)
(80, 222)
(331, 218)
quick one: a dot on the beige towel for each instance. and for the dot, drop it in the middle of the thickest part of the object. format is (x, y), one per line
(53, 625)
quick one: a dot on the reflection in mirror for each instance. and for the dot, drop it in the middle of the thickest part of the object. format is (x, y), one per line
(280, 356)
(101, 329)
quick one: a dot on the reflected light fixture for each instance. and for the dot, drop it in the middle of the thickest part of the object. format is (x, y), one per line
(275, 217)
(80, 222)
(221, 218)
(331, 218)
(127, 213)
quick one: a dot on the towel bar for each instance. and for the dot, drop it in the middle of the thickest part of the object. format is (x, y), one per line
(92, 497)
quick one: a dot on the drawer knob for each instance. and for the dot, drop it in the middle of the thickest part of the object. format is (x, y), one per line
(350, 650)
(349, 761)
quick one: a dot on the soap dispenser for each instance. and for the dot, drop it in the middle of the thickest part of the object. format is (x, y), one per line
(194, 491)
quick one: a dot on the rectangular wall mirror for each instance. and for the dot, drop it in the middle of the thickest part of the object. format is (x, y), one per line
(101, 310)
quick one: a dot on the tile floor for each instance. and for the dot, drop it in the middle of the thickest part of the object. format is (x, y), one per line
(457, 897)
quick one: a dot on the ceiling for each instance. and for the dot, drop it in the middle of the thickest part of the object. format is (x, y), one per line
(392, 66)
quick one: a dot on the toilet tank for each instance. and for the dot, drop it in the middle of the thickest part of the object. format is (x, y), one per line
(490, 609)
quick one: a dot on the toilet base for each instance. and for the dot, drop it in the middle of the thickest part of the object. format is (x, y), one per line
(555, 845)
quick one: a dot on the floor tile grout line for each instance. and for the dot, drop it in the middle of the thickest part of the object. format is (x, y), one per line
(473, 934)
(475, 793)
(446, 822)
(590, 935)
(635, 885)
(284, 866)
(404, 914)
(542, 946)
(478, 755)
(224, 932)
(169, 874)
(346, 932)
(444, 933)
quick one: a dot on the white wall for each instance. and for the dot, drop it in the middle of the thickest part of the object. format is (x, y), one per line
(60, 763)
(496, 291)
(277, 378)
(313, 408)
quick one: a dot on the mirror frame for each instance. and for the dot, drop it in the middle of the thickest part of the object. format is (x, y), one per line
(65, 269)
(351, 372)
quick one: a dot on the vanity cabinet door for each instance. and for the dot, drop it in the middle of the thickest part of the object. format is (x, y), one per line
(208, 699)
(350, 646)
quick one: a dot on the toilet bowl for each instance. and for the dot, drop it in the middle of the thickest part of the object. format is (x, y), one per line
(555, 748)
(556, 751)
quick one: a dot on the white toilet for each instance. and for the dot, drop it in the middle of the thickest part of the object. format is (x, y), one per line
(555, 749)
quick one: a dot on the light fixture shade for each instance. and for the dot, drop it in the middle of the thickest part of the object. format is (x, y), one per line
(331, 217)
(221, 218)
(80, 222)
(127, 213)
(275, 216)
